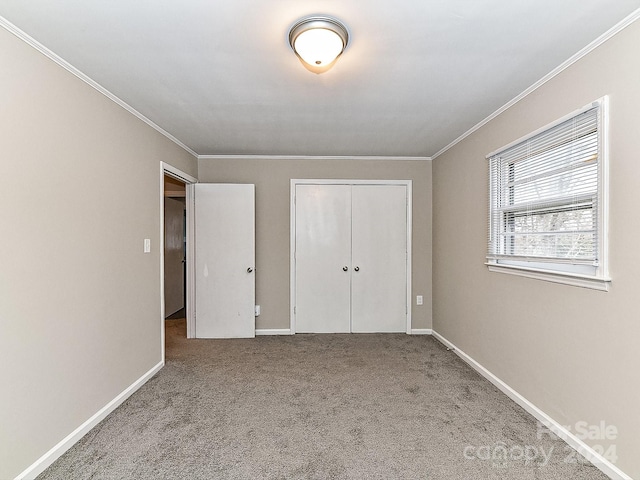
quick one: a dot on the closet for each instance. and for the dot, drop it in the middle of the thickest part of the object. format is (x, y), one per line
(351, 257)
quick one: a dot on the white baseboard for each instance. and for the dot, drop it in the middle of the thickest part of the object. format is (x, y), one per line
(52, 455)
(287, 331)
(604, 465)
(273, 331)
(421, 331)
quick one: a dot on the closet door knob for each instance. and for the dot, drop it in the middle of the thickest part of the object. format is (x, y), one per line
(344, 269)
(357, 269)
(249, 270)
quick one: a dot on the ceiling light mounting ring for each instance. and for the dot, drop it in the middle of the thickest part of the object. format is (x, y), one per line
(318, 40)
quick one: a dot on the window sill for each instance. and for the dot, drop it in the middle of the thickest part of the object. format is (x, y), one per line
(584, 281)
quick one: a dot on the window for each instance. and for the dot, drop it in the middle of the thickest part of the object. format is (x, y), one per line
(547, 213)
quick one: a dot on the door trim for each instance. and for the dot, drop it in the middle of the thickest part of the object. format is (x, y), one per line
(171, 171)
(292, 229)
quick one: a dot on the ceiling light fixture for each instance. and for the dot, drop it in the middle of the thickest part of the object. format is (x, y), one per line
(318, 41)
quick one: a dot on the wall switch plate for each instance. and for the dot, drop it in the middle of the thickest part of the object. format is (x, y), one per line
(147, 245)
(257, 310)
(419, 300)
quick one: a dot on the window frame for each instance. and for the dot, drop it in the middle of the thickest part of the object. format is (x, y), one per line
(562, 270)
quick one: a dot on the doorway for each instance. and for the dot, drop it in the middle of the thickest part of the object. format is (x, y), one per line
(176, 249)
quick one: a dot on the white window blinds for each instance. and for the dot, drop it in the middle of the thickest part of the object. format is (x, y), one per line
(544, 195)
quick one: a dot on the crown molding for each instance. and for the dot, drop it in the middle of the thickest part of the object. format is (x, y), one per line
(309, 157)
(563, 66)
(11, 28)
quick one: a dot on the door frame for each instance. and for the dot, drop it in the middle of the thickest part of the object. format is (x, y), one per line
(292, 249)
(189, 181)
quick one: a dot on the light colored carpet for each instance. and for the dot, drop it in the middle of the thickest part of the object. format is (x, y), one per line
(381, 406)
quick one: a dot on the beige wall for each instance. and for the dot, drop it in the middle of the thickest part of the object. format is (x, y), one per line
(272, 179)
(573, 352)
(79, 301)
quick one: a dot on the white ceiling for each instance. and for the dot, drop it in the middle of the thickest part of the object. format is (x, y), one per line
(221, 77)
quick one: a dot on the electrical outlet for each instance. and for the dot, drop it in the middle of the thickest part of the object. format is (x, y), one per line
(257, 310)
(419, 300)
(147, 245)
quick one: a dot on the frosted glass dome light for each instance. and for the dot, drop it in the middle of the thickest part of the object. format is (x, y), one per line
(318, 41)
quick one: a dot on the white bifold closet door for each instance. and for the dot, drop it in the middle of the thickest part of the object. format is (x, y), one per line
(224, 260)
(379, 258)
(351, 258)
(323, 258)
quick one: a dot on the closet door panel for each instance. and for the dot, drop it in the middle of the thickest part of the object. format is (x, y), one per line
(323, 250)
(379, 258)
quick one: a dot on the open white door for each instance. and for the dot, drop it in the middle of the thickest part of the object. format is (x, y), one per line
(225, 260)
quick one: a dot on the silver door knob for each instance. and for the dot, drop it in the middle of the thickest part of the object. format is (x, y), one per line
(344, 269)
(249, 270)
(357, 269)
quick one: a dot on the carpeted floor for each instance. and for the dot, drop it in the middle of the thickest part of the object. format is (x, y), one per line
(387, 406)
